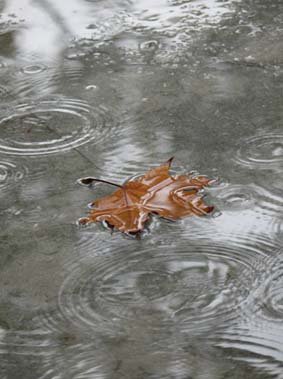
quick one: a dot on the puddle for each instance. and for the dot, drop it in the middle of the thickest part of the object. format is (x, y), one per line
(110, 89)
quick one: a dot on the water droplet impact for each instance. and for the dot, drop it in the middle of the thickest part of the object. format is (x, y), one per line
(33, 69)
(42, 80)
(250, 196)
(262, 152)
(272, 299)
(3, 92)
(194, 286)
(10, 174)
(52, 126)
(257, 333)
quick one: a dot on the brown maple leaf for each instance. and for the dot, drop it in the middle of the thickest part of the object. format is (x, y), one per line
(156, 192)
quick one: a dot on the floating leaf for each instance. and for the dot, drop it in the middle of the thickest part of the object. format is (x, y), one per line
(156, 192)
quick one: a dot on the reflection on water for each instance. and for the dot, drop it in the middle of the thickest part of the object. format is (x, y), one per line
(46, 25)
(108, 89)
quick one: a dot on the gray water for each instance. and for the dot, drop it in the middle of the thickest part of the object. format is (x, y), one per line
(110, 89)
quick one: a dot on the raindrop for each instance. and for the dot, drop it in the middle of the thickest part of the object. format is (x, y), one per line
(33, 69)
(196, 286)
(52, 126)
(262, 152)
(10, 174)
(256, 335)
(41, 80)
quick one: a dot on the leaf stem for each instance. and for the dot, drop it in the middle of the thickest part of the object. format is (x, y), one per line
(88, 181)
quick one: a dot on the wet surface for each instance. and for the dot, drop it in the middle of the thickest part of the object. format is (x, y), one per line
(110, 89)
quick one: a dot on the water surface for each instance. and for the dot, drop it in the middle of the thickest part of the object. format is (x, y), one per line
(111, 89)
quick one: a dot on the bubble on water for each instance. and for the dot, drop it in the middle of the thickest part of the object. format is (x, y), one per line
(149, 46)
(52, 126)
(91, 87)
(73, 56)
(175, 22)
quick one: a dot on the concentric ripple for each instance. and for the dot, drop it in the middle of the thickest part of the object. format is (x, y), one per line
(273, 294)
(10, 174)
(262, 152)
(241, 211)
(192, 287)
(236, 197)
(257, 334)
(39, 79)
(3, 92)
(27, 343)
(52, 126)
(33, 69)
